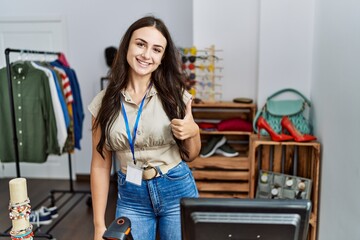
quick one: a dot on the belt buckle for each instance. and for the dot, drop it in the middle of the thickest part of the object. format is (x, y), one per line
(149, 168)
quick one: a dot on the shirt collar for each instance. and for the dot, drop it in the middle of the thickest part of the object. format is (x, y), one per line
(19, 69)
(152, 91)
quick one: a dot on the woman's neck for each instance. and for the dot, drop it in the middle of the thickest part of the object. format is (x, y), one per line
(137, 89)
(138, 86)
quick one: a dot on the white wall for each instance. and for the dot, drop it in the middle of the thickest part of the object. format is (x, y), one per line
(92, 26)
(285, 46)
(335, 93)
(232, 26)
(267, 44)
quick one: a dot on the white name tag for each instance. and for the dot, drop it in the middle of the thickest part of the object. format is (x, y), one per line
(134, 174)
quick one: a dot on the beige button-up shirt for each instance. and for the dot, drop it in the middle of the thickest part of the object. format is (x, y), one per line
(154, 143)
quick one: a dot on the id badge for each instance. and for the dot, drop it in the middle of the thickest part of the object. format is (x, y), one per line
(134, 174)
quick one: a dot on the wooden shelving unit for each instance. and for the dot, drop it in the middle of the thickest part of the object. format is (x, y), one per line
(219, 176)
(293, 158)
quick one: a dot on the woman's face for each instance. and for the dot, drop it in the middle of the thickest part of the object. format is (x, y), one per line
(146, 49)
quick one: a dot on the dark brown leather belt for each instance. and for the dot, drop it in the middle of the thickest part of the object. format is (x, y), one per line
(151, 172)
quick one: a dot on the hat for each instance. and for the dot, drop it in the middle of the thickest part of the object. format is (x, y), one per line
(110, 53)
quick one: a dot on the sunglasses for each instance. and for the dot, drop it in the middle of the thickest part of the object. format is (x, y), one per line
(192, 59)
(191, 66)
(207, 84)
(191, 50)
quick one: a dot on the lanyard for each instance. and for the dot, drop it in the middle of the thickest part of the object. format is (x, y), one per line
(131, 139)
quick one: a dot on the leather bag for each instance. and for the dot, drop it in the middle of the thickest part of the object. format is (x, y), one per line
(273, 111)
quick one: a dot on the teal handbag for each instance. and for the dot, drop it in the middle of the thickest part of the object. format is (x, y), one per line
(274, 110)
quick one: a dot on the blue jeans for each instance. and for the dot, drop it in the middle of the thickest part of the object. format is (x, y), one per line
(155, 205)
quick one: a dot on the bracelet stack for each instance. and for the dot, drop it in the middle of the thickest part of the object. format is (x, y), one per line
(23, 234)
(20, 210)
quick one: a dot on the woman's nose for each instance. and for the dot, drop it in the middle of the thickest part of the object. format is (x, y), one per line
(146, 54)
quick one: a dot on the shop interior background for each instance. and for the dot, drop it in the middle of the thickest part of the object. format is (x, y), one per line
(310, 45)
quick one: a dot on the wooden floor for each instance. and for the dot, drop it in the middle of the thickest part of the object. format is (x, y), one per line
(75, 212)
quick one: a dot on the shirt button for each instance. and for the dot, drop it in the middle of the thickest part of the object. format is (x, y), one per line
(20, 131)
(20, 143)
(19, 95)
(19, 82)
(14, 77)
(23, 77)
(139, 132)
(19, 107)
(19, 119)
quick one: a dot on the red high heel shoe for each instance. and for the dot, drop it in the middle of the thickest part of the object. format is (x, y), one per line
(263, 124)
(298, 137)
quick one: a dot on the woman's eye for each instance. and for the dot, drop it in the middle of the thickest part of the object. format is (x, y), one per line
(140, 44)
(157, 50)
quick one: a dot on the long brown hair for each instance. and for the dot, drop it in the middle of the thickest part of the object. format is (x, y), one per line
(167, 78)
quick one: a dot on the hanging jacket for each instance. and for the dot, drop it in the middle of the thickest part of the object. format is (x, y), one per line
(78, 111)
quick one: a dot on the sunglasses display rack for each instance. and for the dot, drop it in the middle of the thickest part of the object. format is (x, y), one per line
(203, 72)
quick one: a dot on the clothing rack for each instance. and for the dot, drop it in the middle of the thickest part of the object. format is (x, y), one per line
(71, 190)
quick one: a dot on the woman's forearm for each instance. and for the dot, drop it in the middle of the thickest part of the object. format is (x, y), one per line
(193, 145)
(99, 180)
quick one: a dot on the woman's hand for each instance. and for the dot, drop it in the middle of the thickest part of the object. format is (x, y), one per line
(187, 127)
(99, 232)
(187, 130)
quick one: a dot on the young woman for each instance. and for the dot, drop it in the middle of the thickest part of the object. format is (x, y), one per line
(144, 118)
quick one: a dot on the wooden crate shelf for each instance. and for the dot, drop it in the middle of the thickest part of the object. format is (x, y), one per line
(219, 176)
(219, 162)
(292, 158)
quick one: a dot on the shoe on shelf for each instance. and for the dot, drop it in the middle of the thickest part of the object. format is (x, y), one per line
(287, 124)
(227, 151)
(213, 143)
(52, 210)
(263, 124)
(39, 218)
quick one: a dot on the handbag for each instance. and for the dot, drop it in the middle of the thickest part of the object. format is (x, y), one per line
(273, 111)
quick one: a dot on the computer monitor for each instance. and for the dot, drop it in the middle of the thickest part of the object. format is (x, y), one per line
(244, 219)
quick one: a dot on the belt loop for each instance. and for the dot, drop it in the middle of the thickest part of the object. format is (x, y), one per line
(159, 170)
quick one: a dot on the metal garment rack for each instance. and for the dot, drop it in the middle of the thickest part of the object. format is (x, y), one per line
(71, 190)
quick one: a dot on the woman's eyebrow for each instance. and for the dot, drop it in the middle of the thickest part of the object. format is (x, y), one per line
(156, 45)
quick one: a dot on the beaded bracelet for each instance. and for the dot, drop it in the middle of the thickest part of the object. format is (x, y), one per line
(27, 236)
(20, 210)
(26, 201)
(22, 233)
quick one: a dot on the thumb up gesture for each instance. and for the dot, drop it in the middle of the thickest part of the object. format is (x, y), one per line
(185, 128)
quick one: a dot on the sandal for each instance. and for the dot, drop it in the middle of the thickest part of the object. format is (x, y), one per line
(119, 229)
